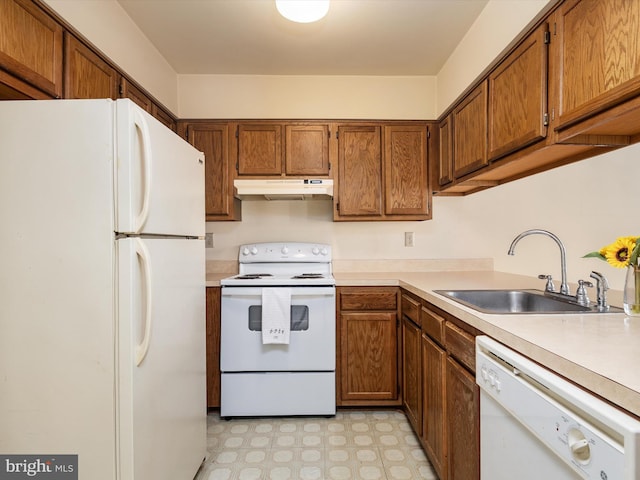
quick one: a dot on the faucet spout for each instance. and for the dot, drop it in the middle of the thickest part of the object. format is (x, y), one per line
(564, 287)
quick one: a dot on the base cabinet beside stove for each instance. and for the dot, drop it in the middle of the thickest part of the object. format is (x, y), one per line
(213, 347)
(368, 345)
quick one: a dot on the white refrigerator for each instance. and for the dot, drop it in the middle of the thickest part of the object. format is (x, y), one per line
(102, 290)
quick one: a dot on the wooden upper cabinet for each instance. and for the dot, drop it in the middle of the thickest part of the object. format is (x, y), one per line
(213, 140)
(31, 45)
(129, 90)
(307, 150)
(259, 149)
(470, 132)
(359, 171)
(445, 151)
(137, 95)
(406, 170)
(518, 96)
(599, 57)
(86, 74)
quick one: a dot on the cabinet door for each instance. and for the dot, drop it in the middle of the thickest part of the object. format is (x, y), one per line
(359, 171)
(86, 74)
(129, 90)
(31, 45)
(213, 347)
(368, 351)
(406, 178)
(259, 149)
(599, 56)
(463, 423)
(518, 97)
(433, 404)
(412, 374)
(470, 132)
(445, 157)
(163, 117)
(307, 150)
(212, 139)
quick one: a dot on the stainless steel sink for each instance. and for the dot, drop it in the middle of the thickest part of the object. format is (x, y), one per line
(518, 301)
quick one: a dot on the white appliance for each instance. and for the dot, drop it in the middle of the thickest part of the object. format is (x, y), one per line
(297, 378)
(283, 189)
(102, 290)
(534, 424)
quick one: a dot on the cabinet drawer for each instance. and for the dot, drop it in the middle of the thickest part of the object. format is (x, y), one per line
(369, 298)
(461, 345)
(433, 325)
(411, 309)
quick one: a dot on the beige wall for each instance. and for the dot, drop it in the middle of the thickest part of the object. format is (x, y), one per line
(105, 24)
(275, 96)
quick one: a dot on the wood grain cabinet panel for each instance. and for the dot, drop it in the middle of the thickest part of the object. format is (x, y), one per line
(406, 177)
(213, 346)
(213, 140)
(86, 74)
(445, 150)
(129, 90)
(259, 149)
(360, 171)
(463, 423)
(470, 132)
(307, 150)
(433, 404)
(31, 46)
(412, 373)
(599, 56)
(518, 96)
(368, 356)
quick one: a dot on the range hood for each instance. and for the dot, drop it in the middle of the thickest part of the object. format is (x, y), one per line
(283, 189)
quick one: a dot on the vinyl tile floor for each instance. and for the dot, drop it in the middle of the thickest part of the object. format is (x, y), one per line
(353, 445)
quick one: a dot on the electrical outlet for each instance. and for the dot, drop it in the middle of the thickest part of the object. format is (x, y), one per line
(408, 239)
(208, 240)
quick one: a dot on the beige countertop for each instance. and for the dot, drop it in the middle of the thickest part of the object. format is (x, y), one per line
(600, 352)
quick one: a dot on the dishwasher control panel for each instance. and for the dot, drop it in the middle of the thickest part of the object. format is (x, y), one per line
(567, 420)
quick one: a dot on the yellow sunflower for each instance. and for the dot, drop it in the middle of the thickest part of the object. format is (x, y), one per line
(618, 253)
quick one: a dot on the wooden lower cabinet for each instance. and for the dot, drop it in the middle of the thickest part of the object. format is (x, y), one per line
(463, 423)
(367, 367)
(433, 405)
(213, 346)
(412, 373)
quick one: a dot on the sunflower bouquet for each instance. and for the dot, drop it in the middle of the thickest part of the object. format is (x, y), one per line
(623, 253)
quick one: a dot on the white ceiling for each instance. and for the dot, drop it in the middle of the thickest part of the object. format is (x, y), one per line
(357, 37)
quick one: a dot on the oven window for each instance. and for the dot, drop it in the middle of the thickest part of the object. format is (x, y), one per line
(299, 318)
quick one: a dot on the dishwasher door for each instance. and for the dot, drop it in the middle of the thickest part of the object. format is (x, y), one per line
(534, 424)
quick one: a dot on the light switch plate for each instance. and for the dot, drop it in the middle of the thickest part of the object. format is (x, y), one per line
(208, 240)
(408, 239)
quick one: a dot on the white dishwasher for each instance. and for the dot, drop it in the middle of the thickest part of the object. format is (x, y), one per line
(536, 425)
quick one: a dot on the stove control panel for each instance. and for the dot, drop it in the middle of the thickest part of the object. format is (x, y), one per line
(285, 252)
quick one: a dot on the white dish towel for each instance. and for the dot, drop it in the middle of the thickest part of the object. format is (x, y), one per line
(276, 315)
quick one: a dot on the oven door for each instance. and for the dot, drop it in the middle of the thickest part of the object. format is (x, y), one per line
(312, 340)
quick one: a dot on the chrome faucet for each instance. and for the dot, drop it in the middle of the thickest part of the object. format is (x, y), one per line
(602, 286)
(564, 288)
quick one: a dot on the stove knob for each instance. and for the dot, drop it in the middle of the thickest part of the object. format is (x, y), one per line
(245, 251)
(324, 251)
(285, 250)
(254, 251)
(315, 250)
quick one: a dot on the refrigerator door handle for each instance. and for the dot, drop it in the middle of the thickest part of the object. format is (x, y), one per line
(143, 347)
(145, 139)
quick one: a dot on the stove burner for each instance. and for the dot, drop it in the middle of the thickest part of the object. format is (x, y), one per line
(253, 276)
(309, 275)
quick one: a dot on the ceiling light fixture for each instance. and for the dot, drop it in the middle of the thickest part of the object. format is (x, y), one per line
(303, 11)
